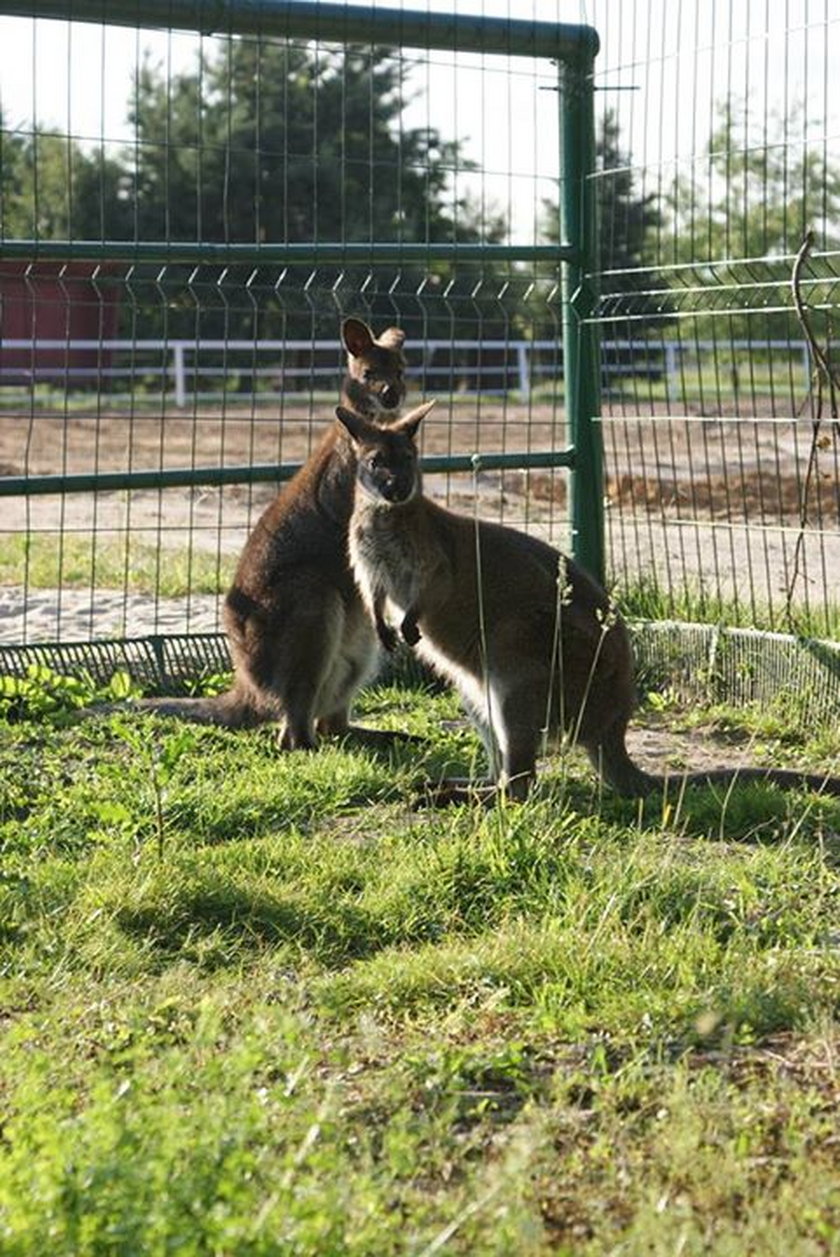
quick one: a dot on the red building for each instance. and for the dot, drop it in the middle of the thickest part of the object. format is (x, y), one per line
(56, 304)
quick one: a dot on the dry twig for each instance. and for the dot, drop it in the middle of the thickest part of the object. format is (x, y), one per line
(824, 378)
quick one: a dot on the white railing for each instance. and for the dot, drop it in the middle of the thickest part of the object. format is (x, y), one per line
(180, 366)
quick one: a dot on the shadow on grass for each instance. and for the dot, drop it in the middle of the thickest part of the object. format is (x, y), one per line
(748, 812)
(240, 922)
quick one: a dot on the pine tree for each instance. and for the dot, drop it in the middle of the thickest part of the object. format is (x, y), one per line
(283, 143)
(628, 234)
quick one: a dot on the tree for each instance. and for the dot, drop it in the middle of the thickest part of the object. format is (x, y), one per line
(629, 226)
(278, 142)
(740, 216)
(53, 189)
(266, 141)
(11, 179)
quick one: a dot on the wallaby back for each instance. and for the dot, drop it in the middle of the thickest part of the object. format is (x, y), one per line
(532, 643)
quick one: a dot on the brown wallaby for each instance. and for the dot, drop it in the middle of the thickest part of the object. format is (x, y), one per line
(300, 639)
(532, 643)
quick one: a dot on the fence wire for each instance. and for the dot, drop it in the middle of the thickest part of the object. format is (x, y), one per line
(718, 167)
(720, 162)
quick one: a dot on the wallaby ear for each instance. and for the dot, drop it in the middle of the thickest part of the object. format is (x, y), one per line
(358, 427)
(356, 337)
(413, 419)
(391, 338)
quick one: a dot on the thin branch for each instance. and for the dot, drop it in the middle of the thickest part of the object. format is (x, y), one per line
(822, 377)
(823, 370)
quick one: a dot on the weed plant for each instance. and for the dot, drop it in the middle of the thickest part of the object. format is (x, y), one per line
(264, 1004)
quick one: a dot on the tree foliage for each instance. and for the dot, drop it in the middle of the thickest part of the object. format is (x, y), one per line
(749, 199)
(265, 142)
(52, 188)
(741, 214)
(280, 142)
(629, 226)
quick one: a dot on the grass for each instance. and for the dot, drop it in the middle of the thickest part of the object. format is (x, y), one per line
(255, 1004)
(52, 561)
(689, 603)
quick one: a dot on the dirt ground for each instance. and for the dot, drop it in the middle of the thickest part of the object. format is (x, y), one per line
(683, 465)
(751, 466)
(715, 502)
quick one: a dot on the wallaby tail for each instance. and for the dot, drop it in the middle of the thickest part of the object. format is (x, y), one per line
(784, 778)
(231, 710)
(612, 760)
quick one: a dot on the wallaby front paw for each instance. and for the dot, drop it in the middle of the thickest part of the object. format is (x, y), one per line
(410, 631)
(388, 637)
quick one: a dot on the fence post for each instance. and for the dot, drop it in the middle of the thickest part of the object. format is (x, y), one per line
(580, 334)
(522, 347)
(179, 374)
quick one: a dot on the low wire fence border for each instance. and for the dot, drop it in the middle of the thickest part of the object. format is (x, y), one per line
(706, 662)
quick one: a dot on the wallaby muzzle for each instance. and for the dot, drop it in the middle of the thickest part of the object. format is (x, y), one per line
(390, 397)
(394, 487)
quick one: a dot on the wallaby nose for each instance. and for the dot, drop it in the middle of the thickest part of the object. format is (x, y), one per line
(396, 489)
(390, 397)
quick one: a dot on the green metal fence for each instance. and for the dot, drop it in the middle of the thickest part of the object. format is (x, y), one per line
(125, 508)
(719, 154)
(618, 272)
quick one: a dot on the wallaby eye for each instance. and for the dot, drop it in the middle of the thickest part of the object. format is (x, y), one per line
(376, 460)
(368, 375)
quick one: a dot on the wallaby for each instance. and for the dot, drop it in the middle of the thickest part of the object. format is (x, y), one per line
(300, 640)
(532, 643)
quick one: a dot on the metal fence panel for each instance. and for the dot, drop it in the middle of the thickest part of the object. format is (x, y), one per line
(203, 341)
(284, 166)
(719, 150)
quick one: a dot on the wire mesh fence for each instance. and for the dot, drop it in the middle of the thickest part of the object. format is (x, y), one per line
(720, 148)
(419, 184)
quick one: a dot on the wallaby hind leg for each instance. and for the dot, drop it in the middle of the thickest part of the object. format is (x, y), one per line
(302, 668)
(518, 733)
(510, 729)
(337, 725)
(446, 791)
(452, 790)
(325, 664)
(611, 760)
(352, 664)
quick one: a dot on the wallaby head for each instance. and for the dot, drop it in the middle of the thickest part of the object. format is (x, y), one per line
(374, 384)
(387, 459)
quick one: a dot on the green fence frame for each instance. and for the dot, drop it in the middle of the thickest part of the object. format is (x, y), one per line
(573, 48)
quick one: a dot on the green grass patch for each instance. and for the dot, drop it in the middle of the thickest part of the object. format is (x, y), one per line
(265, 1004)
(52, 561)
(643, 599)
